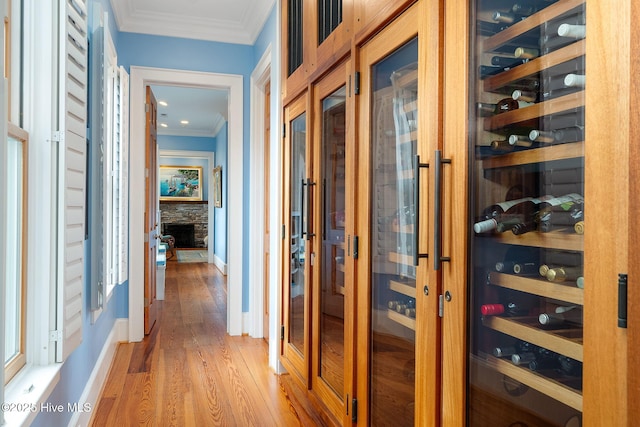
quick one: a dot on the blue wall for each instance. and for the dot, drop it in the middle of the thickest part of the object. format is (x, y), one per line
(186, 143)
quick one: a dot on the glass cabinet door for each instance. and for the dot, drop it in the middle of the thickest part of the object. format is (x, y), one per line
(527, 196)
(391, 120)
(298, 232)
(332, 288)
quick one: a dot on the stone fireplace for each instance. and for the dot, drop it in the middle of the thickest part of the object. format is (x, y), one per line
(186, 221)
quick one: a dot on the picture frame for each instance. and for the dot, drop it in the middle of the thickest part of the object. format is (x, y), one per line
(217, 187)
(180, 183)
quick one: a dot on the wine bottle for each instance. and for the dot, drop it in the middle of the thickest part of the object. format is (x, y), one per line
(507, 62)
(527, 96)
(485, 71)
(502, 106)
(545, 359)
(579, 227)
(574, 80)
(566, 135)
(511, 308)
(523, 359)
(575, 31)
(508, 18)
(504, 351)
(569, 366)
(561, 315)
(504, 212)
(561, 216)
(526, 52)
(561, 274)
(520, 140)
(525, 268)
(580, 282)
(504, 266)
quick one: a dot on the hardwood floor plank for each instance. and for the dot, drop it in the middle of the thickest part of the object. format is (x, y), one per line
(189, 372)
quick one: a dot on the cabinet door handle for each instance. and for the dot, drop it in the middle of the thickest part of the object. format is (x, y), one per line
(302, 217)
(437, 206)
(416, 209)
(308, 184)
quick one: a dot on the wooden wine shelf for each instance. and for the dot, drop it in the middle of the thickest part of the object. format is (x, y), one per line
(548, 386)
(408, 322)
(400, 258)
(340, 267)
(567, 53)
(563, 341)
(535, 111)
(569, 293)
(533, 21)
(536, 155)
(551, 240)
(405, 288)
(340, 289)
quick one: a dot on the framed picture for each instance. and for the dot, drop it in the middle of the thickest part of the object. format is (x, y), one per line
(180, 183)
(217, 186)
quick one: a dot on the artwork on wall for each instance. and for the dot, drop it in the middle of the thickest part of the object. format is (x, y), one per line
(180, 183)
(217, 186)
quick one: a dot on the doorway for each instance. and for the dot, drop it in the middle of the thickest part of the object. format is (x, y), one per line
(141, 77)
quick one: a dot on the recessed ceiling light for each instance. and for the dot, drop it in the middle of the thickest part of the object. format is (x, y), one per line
(164, 125)
(163, 103)
(184, 122)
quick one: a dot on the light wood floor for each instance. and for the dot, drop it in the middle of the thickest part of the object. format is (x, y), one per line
(189, 372)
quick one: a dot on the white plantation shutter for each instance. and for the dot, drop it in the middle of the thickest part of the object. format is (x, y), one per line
(123, 179)
(73, 76)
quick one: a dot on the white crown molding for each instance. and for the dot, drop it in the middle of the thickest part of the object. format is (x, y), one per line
(245, 31)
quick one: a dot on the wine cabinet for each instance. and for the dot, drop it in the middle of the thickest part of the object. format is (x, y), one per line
(455, 207)
(524, 154)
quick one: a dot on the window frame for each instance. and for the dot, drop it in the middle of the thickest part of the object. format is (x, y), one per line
(18, 361)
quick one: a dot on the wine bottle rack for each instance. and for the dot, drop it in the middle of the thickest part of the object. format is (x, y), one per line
(567, 342)
(548, 386)
(567, 292)
(499, 171)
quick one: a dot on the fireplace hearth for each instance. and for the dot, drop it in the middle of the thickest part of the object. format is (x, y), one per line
(183, 233)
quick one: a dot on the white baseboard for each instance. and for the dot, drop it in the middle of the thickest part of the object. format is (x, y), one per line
(222, 266)
(95, 383)
(246, 330)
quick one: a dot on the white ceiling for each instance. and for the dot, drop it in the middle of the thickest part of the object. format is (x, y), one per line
(226, 21)
(229, 21)
(205, 109)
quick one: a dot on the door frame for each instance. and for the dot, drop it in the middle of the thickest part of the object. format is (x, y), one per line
(260, 76)
(140, 78)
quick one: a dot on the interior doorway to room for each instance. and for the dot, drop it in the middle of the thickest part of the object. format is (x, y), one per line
(140, 78)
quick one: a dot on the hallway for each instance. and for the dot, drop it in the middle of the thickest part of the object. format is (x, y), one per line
(189, 372)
